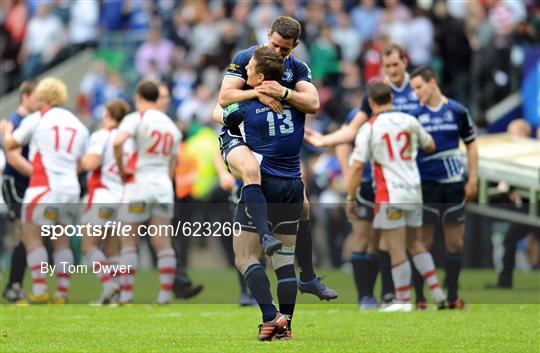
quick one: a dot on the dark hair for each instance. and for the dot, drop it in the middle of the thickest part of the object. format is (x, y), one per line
(148, 90)
(26, 88)
(287, 27)
(380, 93)
(425, 72)
(117, 109)
(269, 63)
(390, 48)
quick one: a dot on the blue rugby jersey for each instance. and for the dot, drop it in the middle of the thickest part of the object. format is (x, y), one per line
(20, 179)
(275, 138)
(448, 123)
(294, 72)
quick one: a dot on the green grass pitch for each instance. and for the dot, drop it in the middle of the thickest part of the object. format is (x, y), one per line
(495, 321)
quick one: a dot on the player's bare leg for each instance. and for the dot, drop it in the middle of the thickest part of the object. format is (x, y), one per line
(453, 240)
(128, 257)
(63, 258)
(309, 282)
(98, 260)
(423, 262)
(166, 258)
(35, 256)
(395, 242)
(243, 164)
(247, 251)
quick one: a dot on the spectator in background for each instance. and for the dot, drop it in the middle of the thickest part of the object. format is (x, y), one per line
(45, 39)
(365, 18)
(347, 38)
(83, 19)
(154, 54)
(516, 232)
(394, 20)
(12, 35)
(139, 14)
(419, 40)
(325, 58)
(111, 18)
(196, 109)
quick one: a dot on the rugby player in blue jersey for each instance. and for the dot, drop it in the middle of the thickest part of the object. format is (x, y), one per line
(275, 140)
(295, 88)
(15, 181)
(444, 189)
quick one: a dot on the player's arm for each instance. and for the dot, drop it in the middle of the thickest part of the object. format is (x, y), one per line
(468, 134)
(91, 160)
(304, 97)
(354, 178)
(471, 187)
(16, 160)
(231, 92)
(345, 134)
(21, 136)
(118, 146)
(217, 114)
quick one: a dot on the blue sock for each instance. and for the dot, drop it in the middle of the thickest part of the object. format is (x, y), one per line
(286, 290)
(256, 207)
(259, 286)
(358, 262)
(372, 264)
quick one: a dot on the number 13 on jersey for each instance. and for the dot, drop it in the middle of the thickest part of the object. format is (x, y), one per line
(284, 121)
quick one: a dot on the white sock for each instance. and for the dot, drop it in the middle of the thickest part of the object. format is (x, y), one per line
(130, 258)
(401, 275)
(425, 265)
(97, 256)
(167, 267)
(34, 260)
(62, 259)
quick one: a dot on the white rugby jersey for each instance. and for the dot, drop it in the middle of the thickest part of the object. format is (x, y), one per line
(392, 139)
(106, 175)
(156, 140)
(57, 141)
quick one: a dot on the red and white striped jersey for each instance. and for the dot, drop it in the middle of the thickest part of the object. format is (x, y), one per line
(106, 175)
(392, 139)
(57, 141)
(156, 142)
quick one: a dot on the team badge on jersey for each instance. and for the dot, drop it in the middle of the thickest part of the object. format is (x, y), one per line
(287, 76)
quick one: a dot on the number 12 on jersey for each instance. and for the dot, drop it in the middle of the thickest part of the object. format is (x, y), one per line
(404, 152)
(285, 123)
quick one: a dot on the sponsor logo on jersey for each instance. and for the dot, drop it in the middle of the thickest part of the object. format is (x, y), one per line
(105, 212)
(423, 119)
(412, 96)
(51, 213)
(393, 214)
(233, 67)
(448, 116)
(137, 207)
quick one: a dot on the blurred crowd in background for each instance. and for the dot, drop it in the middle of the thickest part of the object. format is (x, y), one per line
(476, 48)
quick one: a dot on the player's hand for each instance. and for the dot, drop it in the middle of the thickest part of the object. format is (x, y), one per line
(471, 189)
(226, 181)
(126, 174)
(271, 88)
(313, 137)
(271, 103)
(350, 209)
(6, 127)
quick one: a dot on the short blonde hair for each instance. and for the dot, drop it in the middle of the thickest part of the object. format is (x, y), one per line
(52, 91)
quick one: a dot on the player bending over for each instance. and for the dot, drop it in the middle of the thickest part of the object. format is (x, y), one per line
(148, 191)
(57, 142)
(296, 89)
(391, 139)
(105, 189)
